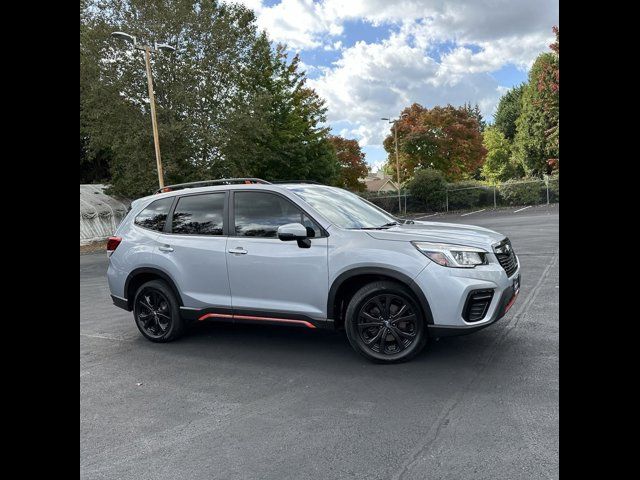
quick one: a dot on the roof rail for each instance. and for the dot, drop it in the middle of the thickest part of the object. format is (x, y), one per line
(313, 182)
(206, 183)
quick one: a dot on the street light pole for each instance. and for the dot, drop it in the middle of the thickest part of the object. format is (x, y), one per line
(154, 121)
(152, 98)
(395, 139)
(395, 135)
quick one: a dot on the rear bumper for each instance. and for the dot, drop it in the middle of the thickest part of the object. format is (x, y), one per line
(121, 302)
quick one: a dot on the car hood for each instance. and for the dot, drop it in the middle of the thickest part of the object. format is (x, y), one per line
(440, 232)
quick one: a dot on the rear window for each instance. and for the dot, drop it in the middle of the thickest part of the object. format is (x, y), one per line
(199, 215)
(154, 216)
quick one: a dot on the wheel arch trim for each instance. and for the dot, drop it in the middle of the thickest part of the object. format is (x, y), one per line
(154, 271)
(387, 272)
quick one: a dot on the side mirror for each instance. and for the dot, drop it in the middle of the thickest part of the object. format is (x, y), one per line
(294, 231)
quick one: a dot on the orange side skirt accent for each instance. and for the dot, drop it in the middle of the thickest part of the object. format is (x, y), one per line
(249, 317)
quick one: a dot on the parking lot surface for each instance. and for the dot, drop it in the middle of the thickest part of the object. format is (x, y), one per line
(268, 402)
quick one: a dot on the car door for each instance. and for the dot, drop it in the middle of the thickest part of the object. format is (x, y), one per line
(192, 249)
(267, 274)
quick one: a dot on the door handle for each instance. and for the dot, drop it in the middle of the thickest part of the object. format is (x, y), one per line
(237, 251)
(165, 248)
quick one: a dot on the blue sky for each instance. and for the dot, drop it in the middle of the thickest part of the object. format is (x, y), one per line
(371, 58)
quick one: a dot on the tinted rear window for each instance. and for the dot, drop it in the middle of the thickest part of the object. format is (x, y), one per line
(155, 215)
(199, 215)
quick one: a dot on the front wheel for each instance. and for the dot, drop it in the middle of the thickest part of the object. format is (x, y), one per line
(157, 313)
(384, 323)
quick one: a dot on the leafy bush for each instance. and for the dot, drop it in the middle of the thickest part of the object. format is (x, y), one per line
(428, 186)
(528, 191)
(469, 194)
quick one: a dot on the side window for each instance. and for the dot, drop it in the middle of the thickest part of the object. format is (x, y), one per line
(260, 214)
(199, 215)
(154, 216)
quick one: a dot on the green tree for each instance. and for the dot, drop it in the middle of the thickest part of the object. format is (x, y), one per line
(444, 138)
(227, 102)
(508, 111)
(548, 87)
(94, 163)
(194, 86)
(352, 164)
(276, 130)
(475, 113)
(534, 145)
(498, 166)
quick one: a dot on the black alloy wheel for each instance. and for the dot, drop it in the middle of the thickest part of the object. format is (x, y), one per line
(384, 323)
(156, 312)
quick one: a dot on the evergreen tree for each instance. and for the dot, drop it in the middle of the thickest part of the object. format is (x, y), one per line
(535, 143)
(508, 111)
(474, 112)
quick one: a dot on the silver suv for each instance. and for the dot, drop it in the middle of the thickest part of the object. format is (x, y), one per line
(306, 255)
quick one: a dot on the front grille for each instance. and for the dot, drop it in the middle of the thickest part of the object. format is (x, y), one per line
(477, 305)
(506, 256)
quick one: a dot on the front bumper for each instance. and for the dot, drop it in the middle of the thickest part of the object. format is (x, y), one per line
(447, 289)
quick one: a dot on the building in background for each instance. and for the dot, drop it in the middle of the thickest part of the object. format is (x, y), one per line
(379, 182)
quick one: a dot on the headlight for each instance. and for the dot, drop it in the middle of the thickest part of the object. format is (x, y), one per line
(448, 255)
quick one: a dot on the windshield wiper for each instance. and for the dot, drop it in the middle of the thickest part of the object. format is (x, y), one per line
(381, 227)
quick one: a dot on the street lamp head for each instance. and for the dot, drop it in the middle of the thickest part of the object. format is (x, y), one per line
(164, 46)
(384, 119)
(125, 36)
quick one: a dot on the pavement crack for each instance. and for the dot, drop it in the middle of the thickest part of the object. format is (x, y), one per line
(454, 402)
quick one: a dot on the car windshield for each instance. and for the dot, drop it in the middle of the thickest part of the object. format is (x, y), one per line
(343, 208)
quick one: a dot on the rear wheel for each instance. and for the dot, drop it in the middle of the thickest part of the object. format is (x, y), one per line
(384, 323)
(156, 312)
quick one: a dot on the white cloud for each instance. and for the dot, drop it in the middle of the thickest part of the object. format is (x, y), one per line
(301, 24)
(307, 24)
(519, 51)
(377, 80)
(437, 52)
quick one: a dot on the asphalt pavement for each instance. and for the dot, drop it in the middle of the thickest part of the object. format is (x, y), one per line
(269, 402)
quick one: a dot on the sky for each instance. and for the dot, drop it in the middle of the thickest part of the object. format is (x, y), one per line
(371, 58)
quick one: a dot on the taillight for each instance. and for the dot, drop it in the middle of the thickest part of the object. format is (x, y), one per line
(112, 244)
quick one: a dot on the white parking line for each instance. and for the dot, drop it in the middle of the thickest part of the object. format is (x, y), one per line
(477, 211)
(427, 216)
(528, 206)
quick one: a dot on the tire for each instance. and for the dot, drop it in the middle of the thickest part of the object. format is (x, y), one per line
(400, 338)
(157, 313)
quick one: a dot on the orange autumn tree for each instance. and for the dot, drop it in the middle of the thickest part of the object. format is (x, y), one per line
(351, 161)
(447, 139)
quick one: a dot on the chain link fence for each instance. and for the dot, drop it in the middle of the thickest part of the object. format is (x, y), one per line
(508, 194)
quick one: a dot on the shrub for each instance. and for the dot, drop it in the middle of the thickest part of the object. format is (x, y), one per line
(469, 194)
(528, 191)
(428, 186)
